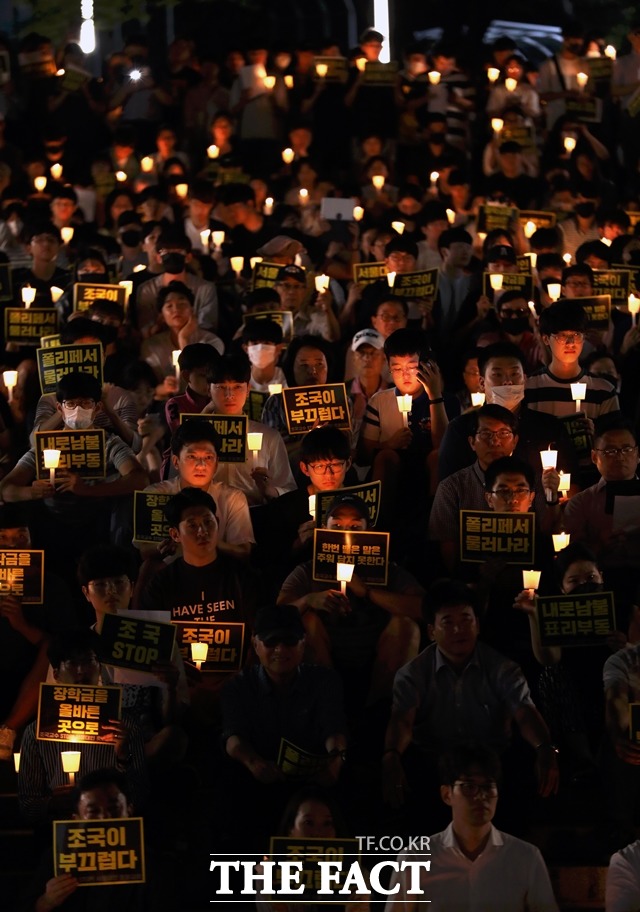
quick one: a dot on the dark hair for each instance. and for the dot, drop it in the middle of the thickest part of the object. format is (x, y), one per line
(562, 315)
(389, 298)
(198, 354)
(294, 347)
(103, 307)
(78, 383)
(576, 551)
(188, 497)
(407, 341)
(508, 464)
(446, 593)
(613, 421)
(65, 192)
(499, 350)
(234, 366)
(514, 294)
(105, 560)
(324, 443)
(545, 237)
(578, 269)
(453, 236)
(137, 372)
(64, 646)
(593, 248)
(310, 793)
(175, 288)
(202, 191)
(99, 778)
(401, 244)
(267, 330)
(461, 759)
(496, 413)
(195, 431)
(43, 228)
(173, 237)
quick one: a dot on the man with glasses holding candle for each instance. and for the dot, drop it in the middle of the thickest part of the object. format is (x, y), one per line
(471, 858)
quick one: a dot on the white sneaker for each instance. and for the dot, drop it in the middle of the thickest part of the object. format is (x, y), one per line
(7, 738)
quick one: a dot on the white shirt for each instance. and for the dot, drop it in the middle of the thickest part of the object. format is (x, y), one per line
(623, 880)
(232, 510)
(272, 456)
(508, 876)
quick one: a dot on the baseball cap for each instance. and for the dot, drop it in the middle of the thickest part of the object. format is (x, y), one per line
(297, 273)
(278, 620)
(349, 500)
(501, 252)
(368, 337)
(279, 245)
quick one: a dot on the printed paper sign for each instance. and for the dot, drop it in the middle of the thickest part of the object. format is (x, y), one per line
(232, 430)
(129, 642)
(22, 575)
(54, 363)
(83, 452)
(225, 642)
(369, 493)
(368, 273)
(84, 295)
(77, 712)
(306, 407)
(149, 523)
(368, 551)
(98, 852)
(576, 620)
(509, 536)
(26, 326)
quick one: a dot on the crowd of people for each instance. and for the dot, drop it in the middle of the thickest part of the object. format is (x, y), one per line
(447, 244)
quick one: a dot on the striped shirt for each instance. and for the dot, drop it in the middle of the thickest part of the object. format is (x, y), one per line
(546, 393)
(382, 418)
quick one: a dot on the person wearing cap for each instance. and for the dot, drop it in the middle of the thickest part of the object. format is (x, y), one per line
(281, 249)
(349, 630)
(291, 285)
(283, 697)
(262, 341)
(317, 319)
(369, 360)
(511, 180)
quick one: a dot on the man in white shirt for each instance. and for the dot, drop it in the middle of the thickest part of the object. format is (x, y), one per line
(473, 866)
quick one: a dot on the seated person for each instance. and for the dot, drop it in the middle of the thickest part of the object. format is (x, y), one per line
(515, 325)
(229, 387)
(196, 363)
(42, 784)
(262, 341)
(472, 857)
(369, 364)
(194, 458)
(378, 622)
(85, 508)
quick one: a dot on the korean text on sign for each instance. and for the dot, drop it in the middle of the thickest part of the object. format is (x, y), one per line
(100, 851)
(69, 712)
(576, 620)
(54, 363)
(509, 536)
(308, 406)
(83, 452)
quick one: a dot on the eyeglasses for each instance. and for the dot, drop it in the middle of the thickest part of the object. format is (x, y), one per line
(229, 391)
(568, 338)
(513, 311)
(115, 583)
(575, 283)
(327, 468)
(281, 639)
(390, 318)
(79, 403)
(508, 494)
(473, 789)
(610, 452)
(487, 436)
(404, 371)
(193, 460)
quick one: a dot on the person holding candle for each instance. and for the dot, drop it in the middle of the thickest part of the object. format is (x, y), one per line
(524, 95)
(44, 273)
(262, 341)
(557, 79)
(196, 363)
(348, 630)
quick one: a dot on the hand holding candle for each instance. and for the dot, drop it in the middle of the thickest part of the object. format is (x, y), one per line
(51, 462)
(578, 392)
(405, 404)
(549, 460)
(10, 379)
(71, 764)
(560, 541)
(254, 443)
(344, 575)
(175, 354)
(312, 505)
(531, 581)
(199, 652)
(28, 295)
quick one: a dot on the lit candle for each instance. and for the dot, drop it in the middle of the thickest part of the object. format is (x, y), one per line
(274, 389)
(451, 216)
(16, 761)
(268, 206)
(398, 227)
(434, 77)
(182, 190)
(28, 296)
(127, 284)
(578, 392)
(71, 764)
(610, 52)
(322, 283)
(529, 229)
(533, 258)
(66, 234)
(391, 277)
(254, 442)
(567, 258)
(288, 81)
(121, 176)
(322, 69)
(361, 63)
(139, 267)
(237, 264)
(213, 151)
(218, 239)
(344, 573)
(532, 308)
(10, 379)
(56, 293)
(253, 262)
(56, 171)
(40, 183)
(497, 123)
(549, 458)
(146, 164)
(378, 181)
(477, 399)
(531, 581)
(312, 505)
(482, 236)
(405, 404)
(175, 354)
(492, 74)
(634, 306)
(606, 241)
(569, 143)
(51, 462)
(582, 79)
(358, 213)
(433, 177)
(510, 84)
(560, 540)
(303, 194)
(553, 290)
(565, 482)
(496, 280)
(199, 653)
(269, 83)
(205, 235)
(288, 155)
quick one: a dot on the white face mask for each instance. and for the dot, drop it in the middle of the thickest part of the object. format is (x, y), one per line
(77, 419)
(508, 396)
(261, 355)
